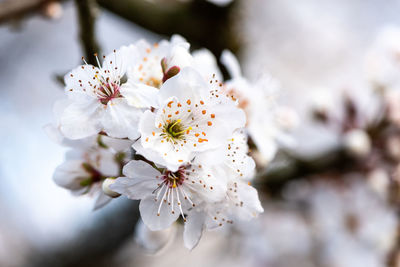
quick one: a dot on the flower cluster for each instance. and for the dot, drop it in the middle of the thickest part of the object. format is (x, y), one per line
(157, 123)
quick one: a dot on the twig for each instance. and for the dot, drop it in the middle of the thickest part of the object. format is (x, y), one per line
(87, 12)
(94, 245)
(202, 23)
(288, 167)
(14, 9)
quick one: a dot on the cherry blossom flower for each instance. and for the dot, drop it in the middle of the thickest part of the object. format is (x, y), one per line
(231, 158)
(240, 203)
(89, 163)
(96, 102)
(153, 65)
(165, 195)
(383, 59)
(351, 219)
(191, 119)
(264, 121)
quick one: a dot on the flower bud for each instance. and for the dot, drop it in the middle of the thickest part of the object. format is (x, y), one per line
(106, 188)
(379, 181)
(357, 143)
(287, 118)
(321, 105)
(393, 147)
(53, 10)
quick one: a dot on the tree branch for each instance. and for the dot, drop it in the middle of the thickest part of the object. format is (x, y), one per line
(87, 12)
(14, 9)
(288, 167)
(202, 23)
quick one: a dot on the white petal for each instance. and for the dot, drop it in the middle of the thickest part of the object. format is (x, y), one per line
(104, 161)
(231, 63)
(119, 61)
(149, 212)
(249, 203)
(101, 200)
(265, 144)
(193, 230)
(69, 174)
(139, 95)
(79, 83)
(154, 241)
(134, 188)
(116, 144)
(150, 154)
(140, 169)
(209, 185)
(188, 84)
(141, 180)
(80, 120)
(206, 64)
(121, 120)
(177, 39)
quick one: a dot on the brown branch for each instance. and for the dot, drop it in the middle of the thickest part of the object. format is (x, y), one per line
(201, 22)
(288, 167)
(14, 9)
(87, 13)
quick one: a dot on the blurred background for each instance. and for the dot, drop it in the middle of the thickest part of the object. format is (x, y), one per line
(332, 218)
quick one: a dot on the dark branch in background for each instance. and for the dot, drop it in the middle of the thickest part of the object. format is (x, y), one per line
(96, 244)
(288, 167)
(87, 12)
(14, 9)
(202, 23)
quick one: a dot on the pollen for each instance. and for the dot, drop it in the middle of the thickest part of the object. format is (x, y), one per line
(203, 112)
(209, 123)
(188, 102)
(212, 116)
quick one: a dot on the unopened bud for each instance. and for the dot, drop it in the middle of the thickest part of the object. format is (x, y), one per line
(53, 10)
(357, 143)
(171, 73)
(393, 147)
(106, 188)
(321, 105)
(164, 65)
(379, 181)
(287, 118)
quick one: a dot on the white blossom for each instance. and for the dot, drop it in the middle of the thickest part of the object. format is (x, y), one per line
(383, 59)
(96, 102)
(165, 194)
(264, 123)
(152, 66)
(154, 242)
(357, 142)
(354, 226)
(191, 119)
(241, 202)
(89, 163)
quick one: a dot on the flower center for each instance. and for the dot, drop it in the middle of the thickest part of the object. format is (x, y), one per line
(174, 179)
(175, 130)
(154, 82)
(108, 91)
